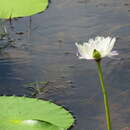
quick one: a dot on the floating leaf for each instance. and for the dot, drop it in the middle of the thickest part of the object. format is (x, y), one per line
(21, 113)
(21, 8)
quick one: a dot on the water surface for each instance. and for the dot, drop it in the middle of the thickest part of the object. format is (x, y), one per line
(47, 52)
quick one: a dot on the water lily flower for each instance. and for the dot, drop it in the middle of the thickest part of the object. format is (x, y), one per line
(101, 45)
(97, 49)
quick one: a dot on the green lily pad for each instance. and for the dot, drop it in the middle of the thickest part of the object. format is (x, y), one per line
(21, 8)
(21, 113)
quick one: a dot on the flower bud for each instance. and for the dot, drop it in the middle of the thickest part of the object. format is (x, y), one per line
(96, 55)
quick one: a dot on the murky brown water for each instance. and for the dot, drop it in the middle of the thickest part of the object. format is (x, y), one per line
(47, 52)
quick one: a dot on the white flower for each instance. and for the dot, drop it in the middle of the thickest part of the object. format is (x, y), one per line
(103, 45)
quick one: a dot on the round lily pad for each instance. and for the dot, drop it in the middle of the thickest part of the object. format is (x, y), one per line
(21, 8)
(21, 113)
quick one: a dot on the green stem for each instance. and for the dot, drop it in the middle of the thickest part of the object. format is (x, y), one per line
(105, 96)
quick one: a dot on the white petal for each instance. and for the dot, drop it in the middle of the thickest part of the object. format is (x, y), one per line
(83, 51)
(107, 45)
(112, 42)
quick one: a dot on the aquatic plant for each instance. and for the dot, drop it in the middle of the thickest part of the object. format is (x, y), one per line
(21, 8)
(18, 8)
(96, 49)
(37, 87)
(21, 113)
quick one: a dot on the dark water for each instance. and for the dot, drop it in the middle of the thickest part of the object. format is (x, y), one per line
(47, 52)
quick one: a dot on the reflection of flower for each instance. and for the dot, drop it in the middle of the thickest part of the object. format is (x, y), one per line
(103, 45)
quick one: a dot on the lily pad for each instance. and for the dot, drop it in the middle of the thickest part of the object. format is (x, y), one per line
(21, 8)
(21, 113)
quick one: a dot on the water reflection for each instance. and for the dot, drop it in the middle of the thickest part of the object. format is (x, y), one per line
(49, 55)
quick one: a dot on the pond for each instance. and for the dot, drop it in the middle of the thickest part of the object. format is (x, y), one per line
(44, 55)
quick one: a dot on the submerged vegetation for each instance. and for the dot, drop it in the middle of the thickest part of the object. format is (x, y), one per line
(37, 87)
